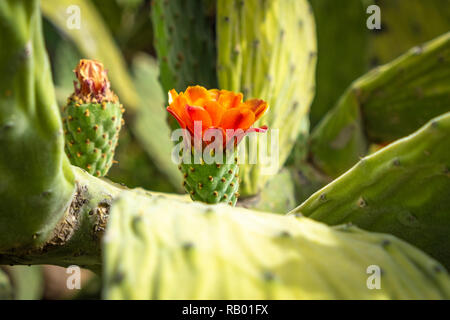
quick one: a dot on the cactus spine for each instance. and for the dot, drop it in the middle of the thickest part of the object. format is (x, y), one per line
(92, 120)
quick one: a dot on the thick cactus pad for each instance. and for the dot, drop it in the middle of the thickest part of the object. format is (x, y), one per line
(161, 248)
(341, 51)
(386, 104)
(212, 183)
(92, 132)
(184, 43)
(406, 24)
(402, 189)
(36, 181)
(272, 59)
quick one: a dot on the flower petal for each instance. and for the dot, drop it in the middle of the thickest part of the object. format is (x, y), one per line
(215, 111)
(237, 118)
(260, 129)
(258, 106)
(214, 94)
(172, 95)
(221, 109)
(177, 108)
(196, 93)
(237, 137)
(198, 114)
(229, 99)
(177, 117)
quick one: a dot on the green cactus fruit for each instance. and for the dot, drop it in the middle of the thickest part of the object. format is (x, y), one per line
(272, 59)
(157, 247)
(92, 120)
(385, 104)
(214, 182)
(402, 189)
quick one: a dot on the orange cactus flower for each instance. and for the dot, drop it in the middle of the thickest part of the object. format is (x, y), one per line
(216, 109)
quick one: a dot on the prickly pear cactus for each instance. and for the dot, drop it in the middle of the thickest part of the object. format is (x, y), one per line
(388, 103)
(272, 59)
(36, 181)
(160, 248)
(402, 189)
(212, 183)
(184, 44)
(348, 43)
(92, 120)
(405, 24)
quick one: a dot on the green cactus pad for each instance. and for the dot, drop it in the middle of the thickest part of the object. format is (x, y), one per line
(184, 43)
(387, 103)
(36, 180)
(348, 43)
(92, 132)
(406, 24)
(402, 189)
(157, 247)
(272, 59)
(212, 183)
